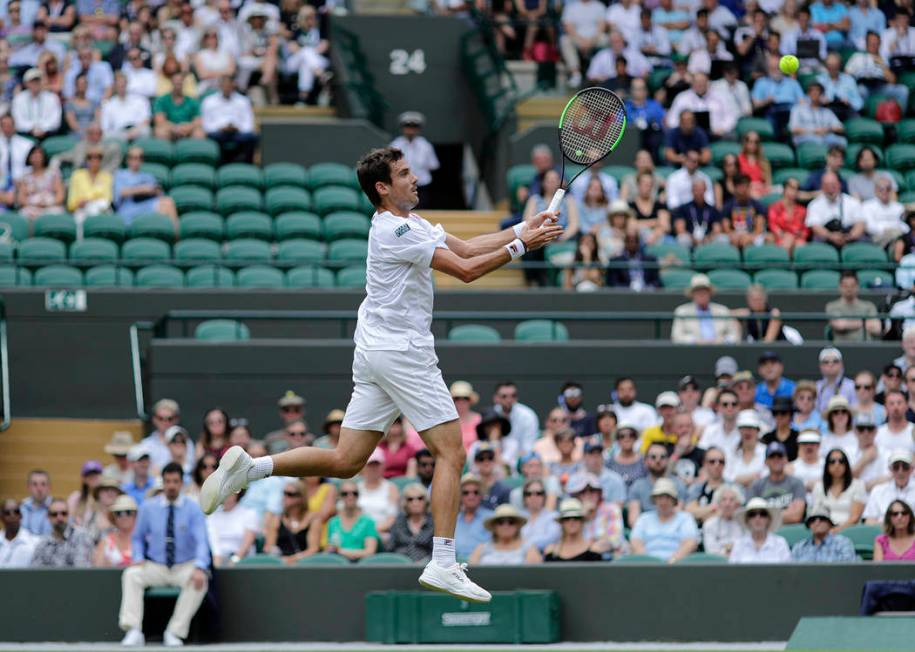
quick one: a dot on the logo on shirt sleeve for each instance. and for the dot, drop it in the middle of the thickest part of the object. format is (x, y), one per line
(400, 230)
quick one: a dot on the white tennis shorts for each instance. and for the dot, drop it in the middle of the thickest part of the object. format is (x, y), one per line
(388, 383)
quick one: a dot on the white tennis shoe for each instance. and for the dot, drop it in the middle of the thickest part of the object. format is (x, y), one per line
(134, 638)
(230, 478)
(452, 580)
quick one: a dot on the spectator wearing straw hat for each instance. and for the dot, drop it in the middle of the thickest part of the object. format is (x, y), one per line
(292, 408)
(573, 545)
(603, 520)
(419, 153)
(840, 432)
(464, 397)
(747, 461)
(665, 532)
(760, 544)
(118, 447)
(701, 321)
(900, 487)
(332, 424)
(105, 493)
(507, 547)
(115, 548)
(823, 546)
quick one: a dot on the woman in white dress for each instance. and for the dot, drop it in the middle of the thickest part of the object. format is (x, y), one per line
(378, 498)
(843, 494)
(748, 462)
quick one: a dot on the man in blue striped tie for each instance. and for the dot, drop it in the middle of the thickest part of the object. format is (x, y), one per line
(170, 548)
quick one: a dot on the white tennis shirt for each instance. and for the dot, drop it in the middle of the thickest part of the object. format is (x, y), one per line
(397, 309)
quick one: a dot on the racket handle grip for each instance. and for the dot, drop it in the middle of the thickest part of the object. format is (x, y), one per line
(557, 199)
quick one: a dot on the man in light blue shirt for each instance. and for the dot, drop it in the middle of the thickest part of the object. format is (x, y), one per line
(98, 75)
(840, 88)
(170, 548)
(469, 531)
(35, 508)
(775, 94)
(831, 17)
(864, 18)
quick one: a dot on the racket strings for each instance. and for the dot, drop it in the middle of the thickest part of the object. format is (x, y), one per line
(592, 126)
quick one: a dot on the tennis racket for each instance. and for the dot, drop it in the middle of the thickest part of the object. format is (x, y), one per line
(590, 127)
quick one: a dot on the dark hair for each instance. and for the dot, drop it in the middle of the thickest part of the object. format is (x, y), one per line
(569, 385)
(815, 84)
(702, 12)
(206, 437)
(831, 425)
(890, 367)
(846, 478)
(888, 520)
(657, 444)
(741, 179)
(835, 149)
(621, 380)
(848, 273)
(723, 392)
(505, 383)
(892, 392)
(172, 467)
(803, 9)
(35, 472)
(374, 167)
(579, 256)
(866, 148)
(198, 468)
(44, 155)
(422, 452)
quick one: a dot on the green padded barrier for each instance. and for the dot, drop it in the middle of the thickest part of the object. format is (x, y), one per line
(871, 634)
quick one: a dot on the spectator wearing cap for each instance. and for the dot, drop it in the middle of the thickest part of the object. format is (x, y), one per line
(142, 481)
(495, 492)
(780, 489)
(624, 457)
(469, 531)
(37, 112)
(177, 439)
(115, 548)
(744, 387)
(292, 408)
(748, 460)
(701, 321)
(699, 497)
(35, 507)
(900, 487)
(541, 528)
(493, 429)
(869, 461)
(724, 527)
(165, 413)
(611, 482)
(81, 503)
(852, 319)
(760, 544)
(65, 546)
(572, 399)
(897, 543)
(833, 381)
(898, 432)
(17, 544)
(546, 448)
(603, 520)
(686, 456)
(865, 391)
(806, 416)
(824, 545)
(808, 467)
(839, 491)
(665, 532)
(464, 397)
(411, 534)
(572, 545)
(331, 428)
(231, 531)
(105, 493)
(379, 499)
(773, 383)
(662, 433)
(723, 433)
(525, 426)
(783, 432)
(639, 496)
(118, 447)
(839, 431)
(419, 153)
(725, 368)
(690, 393)
(629, 410)
(507, 546)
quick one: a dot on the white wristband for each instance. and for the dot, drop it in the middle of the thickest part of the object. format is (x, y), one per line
(515, 249)
(517, 229)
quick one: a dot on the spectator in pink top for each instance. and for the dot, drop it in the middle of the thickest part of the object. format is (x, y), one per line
(898, 541)
(464, 399)
(398, 452)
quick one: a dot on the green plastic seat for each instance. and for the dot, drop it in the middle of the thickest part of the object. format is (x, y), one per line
(6, 252)
(93, 251)
(193, 174)
(862, 536)
(760, 125)
(875, 278)
(864, 130)
(297, 224)
(900, 156)
(721, 148)
(54, 145)
(664, 171)
(779, 155)
(202, 224)
(863, 253)
(159, 276)
(249, 224)
(107, 226)
(669, 251)
(167, 592)
(196, 251)
(541, 330)
(59, 276)
(160, 172)
(768, 200)
(42, 251)
(348, 249)
(260, 277)
(765, 254)
(143, 251)
(240, 174)
(793, 533)
(851, 155)
(17, 225)
(638, 559)
(385, 559)
(730, 279)
(346, 224)
(906, 198)
(402, 481)
(299, 251)
(657, 77)
(776, 279)
(703, 558)
(260, 560)
(152, 225)
(715, 254)
(331, 174)
(156, 150)
(248, 250)
(194, 150)
(816, 254)
(714, 174)
(560, 254)
(14, 275)
(210, 276)
(820, 279)
(351, 277)
(323, 559)
(779, 177)
(905, 131)
(284, 199)
(872, 102)
(811, 156)
(285, 174)
(222, 330)
(309, 276)
(676, 278)
(191, 198)
(60, 226)
(108, 276)
(516, 177)
(335, 198)
(474, 333)
(234, 199)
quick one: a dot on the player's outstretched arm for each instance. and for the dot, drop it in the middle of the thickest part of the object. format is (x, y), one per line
(489, 242)
(470, 269)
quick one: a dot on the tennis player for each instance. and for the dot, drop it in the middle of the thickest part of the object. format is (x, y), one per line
(395, 369)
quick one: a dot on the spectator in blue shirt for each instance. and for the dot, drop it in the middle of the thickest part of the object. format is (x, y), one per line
(139, 459)
(822, 546)
(743, 219)
(773, 384)
(470, 531)
(685, 137)
(98, 74)
(169, 548)
(840, 89)
(645, 114)
(831, 17)
(137, 192)
(774, 95)
(35, 508)
(863, 17)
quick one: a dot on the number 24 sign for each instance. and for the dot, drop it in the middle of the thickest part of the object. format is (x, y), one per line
(404, 62)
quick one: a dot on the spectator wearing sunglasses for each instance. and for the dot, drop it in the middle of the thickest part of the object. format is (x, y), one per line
(165, 413)
(425, 467)
(91, 189)
(469, 531)
(17, 544)
(781, 490)
(331, 429)
(66, 546)
(824, 545)
(699, 501)
(760, 544)
(351, 533)
(297, 532)
(839, 427)
(869, 460)
(900, 487)
(531, 468)
(897, 543)
(865, 391)
(495, 492)
(723, 433)
(639, 497)
(747, 461)
(784, 431)
(541, 528)
(115, 548)
(665, 532)
(507, 546)
(843, 495)
(573, 544)
(806, 417)
(411, 534)
(545, 447)
(603, 520)
(625, 459)
(292, 408)
(833, 381)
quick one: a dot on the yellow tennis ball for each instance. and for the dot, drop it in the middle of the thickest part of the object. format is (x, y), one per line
(789, 64)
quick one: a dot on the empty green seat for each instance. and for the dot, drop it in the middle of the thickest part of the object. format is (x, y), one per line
(905, 131)
(106, 225)
(779, 155)
(351, 277)
(335, 198)
(249, 224)
(676, 279)
(60, 226)
(248, 250)
(474, 333)
(202, 224)
(108, 276)
(13, 275)
(331, 174)
(210, 276)
(864, 130)
(760, 125)
(348, 249)
(142, 251)
(346, 224)
(820, 279)
(92, 251)
(811, 156)
(152, 225)
(285, 174)
(16, 224)
(776, 279)
(862, 537)
(191, 198)
(260, 276)
(900, 156)
(6, 252)
(156, 150)
(160, 172)
(875, 278)
(766, 254)
(793, 533)
(193, 174)
(730, 279)
(541, 330)
(713, 173)
(222, 330)
(309, 276)
(159, 276)
(815, 254)
(721, 148)
(59, 275)
(284, 199)
(54, 145)
(194, 150)
(385, 558)
(196, 251)
(714, 254)
(863, 252)
(240, 174)
(234, 199)
(297, 224)
(779, 177)
(516, 177)
(300, 251)
(42, 251)
(669, 251)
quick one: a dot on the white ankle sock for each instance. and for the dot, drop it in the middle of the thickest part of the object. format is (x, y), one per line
(263, 467)
(443, 551)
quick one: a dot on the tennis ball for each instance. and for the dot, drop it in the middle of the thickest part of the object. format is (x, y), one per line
(578, 152)
(789, 64)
